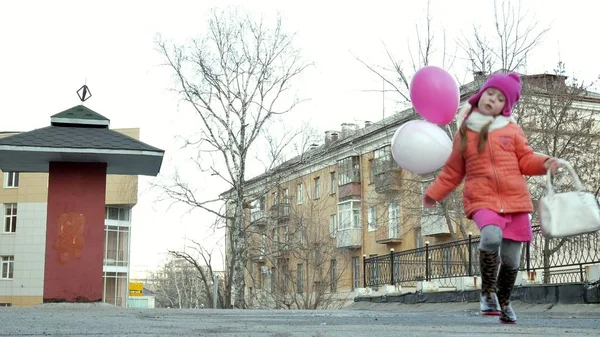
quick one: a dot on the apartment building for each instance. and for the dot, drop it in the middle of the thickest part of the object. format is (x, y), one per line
(24, 202)
(314, 218)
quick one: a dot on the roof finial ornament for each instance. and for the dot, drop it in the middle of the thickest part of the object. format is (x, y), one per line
(84, 92)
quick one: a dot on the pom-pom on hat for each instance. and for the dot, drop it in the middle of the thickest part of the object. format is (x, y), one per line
(509, 84)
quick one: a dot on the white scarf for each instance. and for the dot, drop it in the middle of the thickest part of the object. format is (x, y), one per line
(477, 121)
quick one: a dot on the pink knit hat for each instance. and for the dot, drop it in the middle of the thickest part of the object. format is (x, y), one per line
(509, 84)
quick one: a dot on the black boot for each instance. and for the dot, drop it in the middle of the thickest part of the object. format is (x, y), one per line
(506, 283)
(488, 303)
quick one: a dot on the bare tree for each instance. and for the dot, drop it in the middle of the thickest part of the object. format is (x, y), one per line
(177, 286)
(296, 260)
(201, 261)
(515, 36)
(236, 78)
(560, 118)
(425, 51)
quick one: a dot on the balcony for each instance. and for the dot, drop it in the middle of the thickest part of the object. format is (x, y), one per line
(349, 191)
(389, 233)
(258, 217)
(349, 238)
(279, 249)
(433, 224)
(261, 257)
(389, 181)
(281, 210)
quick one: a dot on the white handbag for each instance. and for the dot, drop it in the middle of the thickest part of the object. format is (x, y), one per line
(569, 213)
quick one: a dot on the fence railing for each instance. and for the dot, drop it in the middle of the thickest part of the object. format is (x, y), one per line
(560, 261)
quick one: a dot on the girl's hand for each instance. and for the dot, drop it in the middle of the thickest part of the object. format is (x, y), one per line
(552, 164)
(428, 202)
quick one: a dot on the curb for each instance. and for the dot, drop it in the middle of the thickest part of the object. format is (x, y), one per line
(573, 293)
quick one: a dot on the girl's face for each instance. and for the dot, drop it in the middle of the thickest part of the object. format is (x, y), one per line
(491, 102)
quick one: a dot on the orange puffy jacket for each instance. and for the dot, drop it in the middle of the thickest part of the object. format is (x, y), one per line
(494, 178)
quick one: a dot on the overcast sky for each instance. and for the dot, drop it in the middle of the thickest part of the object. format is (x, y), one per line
(50, 48)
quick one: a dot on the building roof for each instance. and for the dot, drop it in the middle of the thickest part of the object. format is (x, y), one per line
(79, 134)
(80, 112)
(77, 138)
(79, 115)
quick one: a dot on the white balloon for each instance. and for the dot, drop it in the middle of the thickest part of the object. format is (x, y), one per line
(420, 147)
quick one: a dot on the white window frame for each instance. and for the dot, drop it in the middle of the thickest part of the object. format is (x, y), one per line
(332, 225)
(286, 194)
(372, 218)
(12, 217)
(394, 219)
(123, 213)
(299, 193)
(7, 267)
(418, 237)
(349, 170)
(332, 183)
(15, 179)
(349, 215)
(317, 191)
(382, 160)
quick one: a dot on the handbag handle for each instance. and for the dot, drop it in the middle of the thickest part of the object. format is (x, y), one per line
(576, 180)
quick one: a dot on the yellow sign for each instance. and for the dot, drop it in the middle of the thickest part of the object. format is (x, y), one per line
(136, 289)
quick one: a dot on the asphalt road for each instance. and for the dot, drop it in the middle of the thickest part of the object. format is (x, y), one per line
(453, 319)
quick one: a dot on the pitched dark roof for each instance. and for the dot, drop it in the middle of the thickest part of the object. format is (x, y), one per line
(80, 112)
(77, 138)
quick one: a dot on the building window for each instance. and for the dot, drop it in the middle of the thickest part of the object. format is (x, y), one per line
(349, 170)
(7, 267)
(372, 218)
(382, 160)
(10, 218)
(275, 198)
(286, 235)
(117, 213)
(116, 246)
(263, 244)
(300, 280)
(418, 237)
(333, 274)
(257, 209)
(299, 193)
(286, 277)
(317, 191)
(5, 305)
(286, 195)
(349, 215)
(355, 272)
(393, 219)
(301, 233)
(11, 179)
(332, 225)
(116, 289)
(332, 183)
(371, 171)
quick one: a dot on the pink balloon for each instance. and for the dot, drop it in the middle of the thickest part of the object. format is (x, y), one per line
(435, 95)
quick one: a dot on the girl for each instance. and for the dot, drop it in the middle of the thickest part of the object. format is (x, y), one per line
(492, 152)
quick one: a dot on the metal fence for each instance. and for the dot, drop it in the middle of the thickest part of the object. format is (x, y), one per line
(559, 260)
